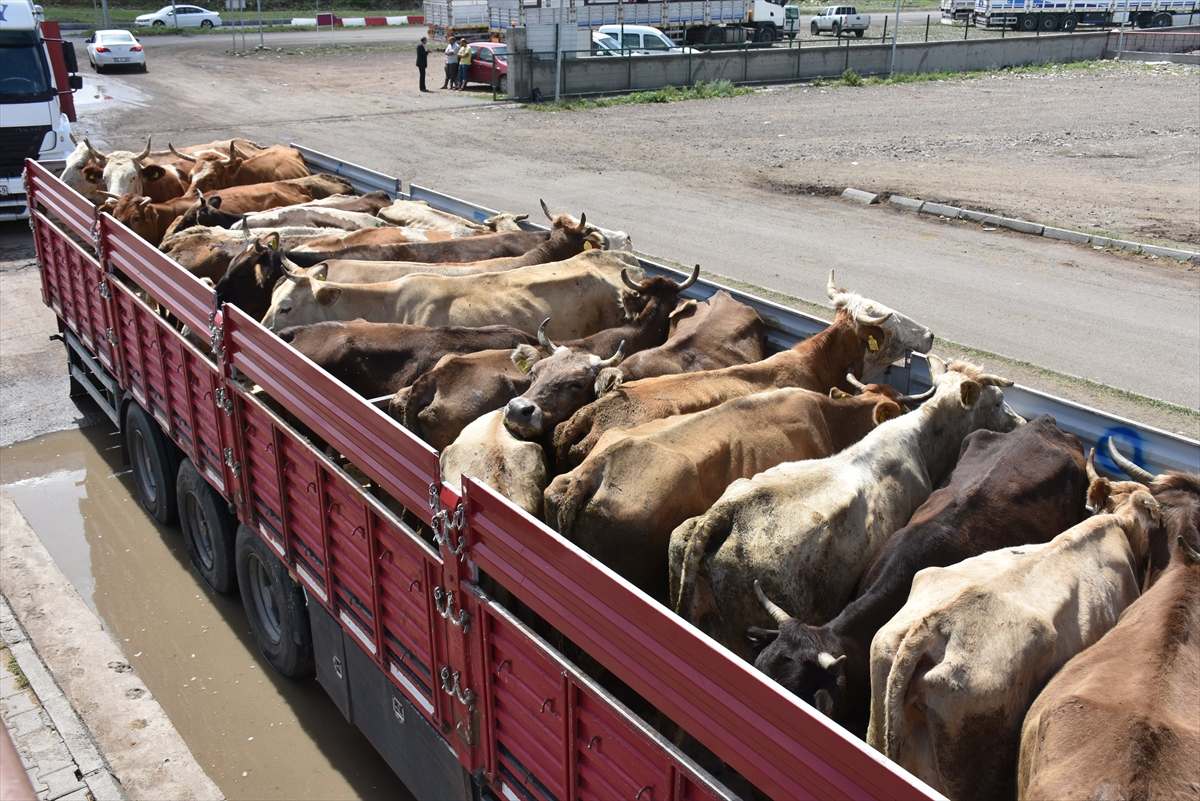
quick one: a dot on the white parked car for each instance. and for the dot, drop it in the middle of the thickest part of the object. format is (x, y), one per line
(115, 49)
(642, 39)
(604, 45)
(183, 16)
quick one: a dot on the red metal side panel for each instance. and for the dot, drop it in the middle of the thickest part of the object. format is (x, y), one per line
(400, 463)
(71, 287)
(763, 732)
(192, 383)
(302, 498)
(611, 763)
(263, 467)
(58, 200)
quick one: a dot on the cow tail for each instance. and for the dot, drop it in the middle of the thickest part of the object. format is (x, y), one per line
(701, 530)
(908, 655)
(575, 496)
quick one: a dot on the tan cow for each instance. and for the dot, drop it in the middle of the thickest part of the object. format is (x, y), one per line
(583, 294)
(1122, 719)
(419, 214)
(239, 167)
(954, 672)
(623, 502)
(807, 530)
(487, 451)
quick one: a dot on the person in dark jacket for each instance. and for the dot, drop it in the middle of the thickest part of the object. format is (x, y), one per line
(422, 62)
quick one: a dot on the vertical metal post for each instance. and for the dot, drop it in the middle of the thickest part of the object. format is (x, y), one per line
(262, 45)
(930, 16)
(885, 24)
(966, 30)
(175, 16)
(895, 38)
(798, 43)
(557, 61)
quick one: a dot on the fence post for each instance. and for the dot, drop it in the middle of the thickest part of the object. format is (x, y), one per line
(883, 38)
(797, 59)
(966, 28)
(1038, 34)
(927, 18)
(745, 61)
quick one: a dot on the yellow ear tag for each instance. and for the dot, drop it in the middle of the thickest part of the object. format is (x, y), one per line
(524, 366)
(587, 245)
(322, 278)
(872, 344)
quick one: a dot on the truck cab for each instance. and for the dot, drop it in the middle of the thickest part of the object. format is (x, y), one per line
(33, 123)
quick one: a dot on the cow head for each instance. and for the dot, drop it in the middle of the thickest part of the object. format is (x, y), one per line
(119, 172)
(885, 333)
(303, 298)
(562, 382)
(808, 661)
(206, 211)
(213, 170)
(569, 236)
(137, 213)
(251, 275)
(505, 221)
(965, 388)
(1132, 503)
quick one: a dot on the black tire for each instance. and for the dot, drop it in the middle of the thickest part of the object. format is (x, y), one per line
(153, 463)
(209, 530)
(1162, 20)
(1027, 22)
(158, 23)
(502, 85)
(859, 33)
(814, 29)
(1048, 22)
(274, 606)
(144, 69)
(206, 23)
(714, 35)
(837, 30)
(1069, 23)
(766, 34)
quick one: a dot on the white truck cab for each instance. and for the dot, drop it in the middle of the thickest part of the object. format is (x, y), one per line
(32, 122)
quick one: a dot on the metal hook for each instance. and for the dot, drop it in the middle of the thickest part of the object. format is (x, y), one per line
(544, 704)
(504, 662)
(649, 787)
(415, 582)
(595, 740)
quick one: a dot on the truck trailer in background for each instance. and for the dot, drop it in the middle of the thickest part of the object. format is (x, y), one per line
(1051, 15)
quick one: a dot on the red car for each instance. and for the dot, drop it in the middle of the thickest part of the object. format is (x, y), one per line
(491, 59)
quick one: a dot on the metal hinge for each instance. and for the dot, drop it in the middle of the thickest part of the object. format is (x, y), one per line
(224, 401)
(236, 467)
(466, 698)
(461, 619)
(105, 292)
(445, 525)
(111, 335)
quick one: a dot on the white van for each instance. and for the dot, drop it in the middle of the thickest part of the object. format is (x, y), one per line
(642, 39)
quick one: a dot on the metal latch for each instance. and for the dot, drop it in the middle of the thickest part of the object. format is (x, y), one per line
(461, 619)
(451, 688)
(236, 467)
(105, 292)
(224, 401)
(112, 336)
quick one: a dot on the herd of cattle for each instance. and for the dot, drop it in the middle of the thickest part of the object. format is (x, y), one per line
(933, 572)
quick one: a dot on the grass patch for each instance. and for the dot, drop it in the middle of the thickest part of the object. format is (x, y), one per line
(670, 94)
(15, 670)
(850, 78)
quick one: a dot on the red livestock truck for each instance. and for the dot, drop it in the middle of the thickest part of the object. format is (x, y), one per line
(460, 696)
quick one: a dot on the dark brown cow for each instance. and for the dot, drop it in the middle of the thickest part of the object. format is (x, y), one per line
(1179, 496)
(1121, 720)
(565, 379)
(456, 249)
(206, 252)
(705, 335)
(1010, 489)
(151, 220)
(623, 502)
(376, 359)
(864, 334)
(213, 171)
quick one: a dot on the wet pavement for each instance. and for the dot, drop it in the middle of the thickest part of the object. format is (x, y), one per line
(257, 734)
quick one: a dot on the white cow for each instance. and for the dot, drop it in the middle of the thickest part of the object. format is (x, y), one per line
(807, 530)
(957, 668)
(513, 467)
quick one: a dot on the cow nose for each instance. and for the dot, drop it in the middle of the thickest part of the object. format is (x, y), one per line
(519, 409)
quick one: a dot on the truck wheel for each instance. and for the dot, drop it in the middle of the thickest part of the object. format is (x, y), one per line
(1027, 22)
(1070, 23)
(153, 464)
(1049, 22)
(766, 34)
(859, 33)
(209, 530)
(274, 606)
(714, 35)
(837, 29)
(1162, 20)
(814, 29)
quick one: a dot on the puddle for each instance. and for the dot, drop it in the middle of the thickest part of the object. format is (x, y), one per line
(256, 734)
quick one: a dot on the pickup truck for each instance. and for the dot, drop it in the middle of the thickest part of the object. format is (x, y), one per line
(839, 20)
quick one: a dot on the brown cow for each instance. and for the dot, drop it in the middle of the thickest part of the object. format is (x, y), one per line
(637, 485)
(377, 359)
(1011, 489)
(159, 175)
(866, 334)
(213, 171)
(1122, 719)
(206, 252)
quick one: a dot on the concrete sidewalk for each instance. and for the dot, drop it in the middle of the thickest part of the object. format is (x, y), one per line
(86, 726)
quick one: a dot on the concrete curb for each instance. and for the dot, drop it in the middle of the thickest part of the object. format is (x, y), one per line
(77, 669)
(1026, 227)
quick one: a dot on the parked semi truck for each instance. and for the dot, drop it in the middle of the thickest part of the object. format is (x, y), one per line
(1049, 15)
(37, 76)
(459, 695)
(691, 22)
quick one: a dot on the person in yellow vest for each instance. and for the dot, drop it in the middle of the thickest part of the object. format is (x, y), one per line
(465, 55)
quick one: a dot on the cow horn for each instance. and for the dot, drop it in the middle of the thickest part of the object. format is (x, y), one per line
(853, 381)
(616, 358)
(1092, 475)
(292, 271)
(1130, 469)
(74, 141)
(145, 152)
(582, 221)
(144, 202)
(549, 216)
(906, 400)
(245, 227)
(989, 380)
(831, 288)
(628, 282)
(863, 319)
(177, 154)
(827, 661)
(232, 153)
(109, 194)
(544, 340)
(690, 280)
(1189, 550)
(777, 614)
(96, 154)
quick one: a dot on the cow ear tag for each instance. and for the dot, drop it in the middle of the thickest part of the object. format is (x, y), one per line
(872, 343)
(524, 366)
(587, 246)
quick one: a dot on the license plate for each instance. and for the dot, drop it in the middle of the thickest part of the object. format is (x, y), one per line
(120, 60)
(3, 190)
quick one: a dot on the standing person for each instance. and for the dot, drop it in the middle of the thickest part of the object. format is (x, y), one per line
(465, 55)
(451, 64)
(422, 62)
